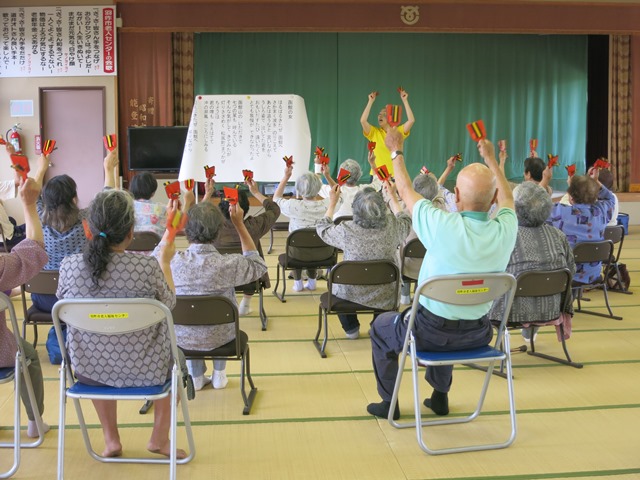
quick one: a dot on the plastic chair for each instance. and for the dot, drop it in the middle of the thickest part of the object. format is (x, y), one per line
(195, 310)
(144, 241)
(473, 289)
(306, 242)
(349, 272)
(616, 235)
(13, 374)
(590, 252)
(259, 286)
(116, 316)
(44, 283)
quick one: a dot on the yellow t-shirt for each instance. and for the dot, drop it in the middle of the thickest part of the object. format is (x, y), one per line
(383, 155)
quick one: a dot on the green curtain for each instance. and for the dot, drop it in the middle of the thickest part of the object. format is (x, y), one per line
(522, 86)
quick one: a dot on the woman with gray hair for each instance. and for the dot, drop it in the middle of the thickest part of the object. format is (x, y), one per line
(303, 213)
(373, 234)
(105, 270)
(538, 247)
(202, 270)
(350, 188)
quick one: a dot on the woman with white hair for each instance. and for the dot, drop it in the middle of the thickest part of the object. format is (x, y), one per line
(302, 213)
(350, 188)
(373, 234)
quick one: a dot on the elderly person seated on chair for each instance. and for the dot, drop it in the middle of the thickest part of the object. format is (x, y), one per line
(303, 213)
(105, 270)
(584, 220)
(150, 216)
(202, 270)
(23, 263)
(373, 234)
(350, 188)
(257, 227)
(538, 247)
(464, 242)
(427, 186)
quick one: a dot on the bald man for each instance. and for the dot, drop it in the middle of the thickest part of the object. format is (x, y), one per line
(464, 242)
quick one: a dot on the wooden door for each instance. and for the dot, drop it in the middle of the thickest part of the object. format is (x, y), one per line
(75, 119)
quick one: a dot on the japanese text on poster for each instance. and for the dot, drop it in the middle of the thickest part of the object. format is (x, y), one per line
(254, 132)
(57, 41)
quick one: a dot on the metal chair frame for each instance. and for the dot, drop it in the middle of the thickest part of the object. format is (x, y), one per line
(44, 283)
(466, 289)
(413, 249)
(350, 272)
(108, 316)
(615, 233)
(194, 310)
(13, 374)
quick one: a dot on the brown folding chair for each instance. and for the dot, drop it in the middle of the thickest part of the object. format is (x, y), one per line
(259, 286)
(44, 283)
(589, 252)
(143, 242)
(351, 272)
(414, 249)
(542, 284)
(310, 253)
(194, 310)
(279, 226)
(615, 233)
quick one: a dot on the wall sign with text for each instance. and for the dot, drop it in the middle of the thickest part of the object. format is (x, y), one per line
(57, 41)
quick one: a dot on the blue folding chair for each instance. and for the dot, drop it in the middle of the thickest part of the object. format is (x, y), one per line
(117, 316)
(466, 289)
(13, 374)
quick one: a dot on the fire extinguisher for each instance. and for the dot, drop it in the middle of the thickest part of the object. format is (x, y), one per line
(14, 138)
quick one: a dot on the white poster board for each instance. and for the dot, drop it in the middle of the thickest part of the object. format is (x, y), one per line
(253, 132)
(57, 41)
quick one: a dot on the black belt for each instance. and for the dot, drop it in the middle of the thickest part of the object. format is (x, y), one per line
(461, 324)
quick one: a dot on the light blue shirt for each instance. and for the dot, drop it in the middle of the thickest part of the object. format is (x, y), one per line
(466, 242)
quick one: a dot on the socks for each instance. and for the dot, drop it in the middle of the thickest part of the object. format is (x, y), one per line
(439, 402)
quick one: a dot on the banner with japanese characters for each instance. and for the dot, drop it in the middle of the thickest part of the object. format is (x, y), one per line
(246, 132)
(57, 41)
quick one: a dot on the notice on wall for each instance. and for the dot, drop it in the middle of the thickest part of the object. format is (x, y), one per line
(57, 41)
(252, 132)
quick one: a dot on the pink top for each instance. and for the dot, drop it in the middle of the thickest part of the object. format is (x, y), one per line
(23, 263)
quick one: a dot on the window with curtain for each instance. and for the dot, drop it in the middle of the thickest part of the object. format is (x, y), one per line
(522, 86)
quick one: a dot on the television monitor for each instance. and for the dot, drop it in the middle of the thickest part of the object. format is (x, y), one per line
(156, 149)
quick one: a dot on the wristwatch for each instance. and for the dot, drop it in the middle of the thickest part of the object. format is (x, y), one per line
(395, 154)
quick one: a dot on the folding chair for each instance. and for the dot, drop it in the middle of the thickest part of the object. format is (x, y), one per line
(414, 249)
(592, 252)
(350, 272)
(13, 374)
(3, 243)
(542, 284)
(144, 242)
(117, 316)
(194, 310)
(259, 286)
(44, 283)
(310, 250)
(276, 226)
(467, 289)
(616, 235)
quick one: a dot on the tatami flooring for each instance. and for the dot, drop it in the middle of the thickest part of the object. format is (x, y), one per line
(309, 419)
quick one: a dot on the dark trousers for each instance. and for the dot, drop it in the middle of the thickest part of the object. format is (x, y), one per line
(432, 333)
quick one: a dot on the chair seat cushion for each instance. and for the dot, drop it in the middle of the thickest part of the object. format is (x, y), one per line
(84, 389)
(342, 306)
(226, 350)
(38, 316)
(461, 356)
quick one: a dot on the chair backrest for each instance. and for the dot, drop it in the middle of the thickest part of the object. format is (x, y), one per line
(615, 233)
(586, 252)
(309, 240)
(414, 249)
(144, 242)
(363, 272)
(342, 218)
(204, 310)
(44, 283)
(544, 283)
(470, 289)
